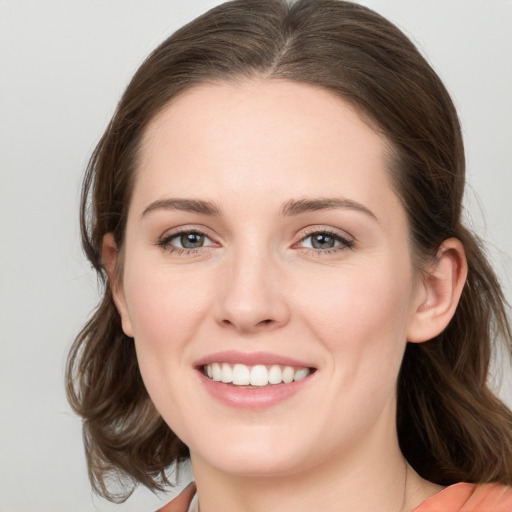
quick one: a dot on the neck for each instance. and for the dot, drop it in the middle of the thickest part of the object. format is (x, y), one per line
(374, 476)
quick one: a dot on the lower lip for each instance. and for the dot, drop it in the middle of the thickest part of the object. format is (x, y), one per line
(243, 397)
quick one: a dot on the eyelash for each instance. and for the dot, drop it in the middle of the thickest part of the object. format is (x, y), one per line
(344, 243)
(165, 243)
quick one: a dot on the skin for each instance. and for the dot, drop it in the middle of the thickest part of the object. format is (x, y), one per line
(257, 284)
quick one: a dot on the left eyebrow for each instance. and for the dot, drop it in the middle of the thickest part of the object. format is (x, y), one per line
(298, 206)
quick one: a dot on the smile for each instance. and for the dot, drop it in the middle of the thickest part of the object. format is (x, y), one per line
(254, 381)
(258, 375)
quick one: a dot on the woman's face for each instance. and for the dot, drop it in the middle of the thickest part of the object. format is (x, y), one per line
(264, 244)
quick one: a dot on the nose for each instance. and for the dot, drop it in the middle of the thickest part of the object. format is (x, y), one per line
(252, 295)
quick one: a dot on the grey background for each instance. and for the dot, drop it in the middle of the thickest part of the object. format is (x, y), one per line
(63, 66)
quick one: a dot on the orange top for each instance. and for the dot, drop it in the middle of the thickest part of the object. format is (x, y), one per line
(182, 501)
(460, 497)
(465, 497)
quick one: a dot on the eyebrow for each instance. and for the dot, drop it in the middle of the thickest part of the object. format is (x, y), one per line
(298, 206)
(186, 205)
(290, 208)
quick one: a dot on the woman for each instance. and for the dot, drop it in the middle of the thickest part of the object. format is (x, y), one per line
(292, 301)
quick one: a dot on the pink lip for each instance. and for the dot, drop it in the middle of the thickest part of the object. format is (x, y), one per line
(250, 359)
(251, 398)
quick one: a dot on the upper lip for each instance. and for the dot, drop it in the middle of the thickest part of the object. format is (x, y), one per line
(250, 359)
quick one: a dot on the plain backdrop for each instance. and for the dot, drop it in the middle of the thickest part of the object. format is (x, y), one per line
(63, 66)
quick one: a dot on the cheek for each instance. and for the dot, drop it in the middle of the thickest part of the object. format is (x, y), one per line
(165, 306)
(362, 323)
(361, 315)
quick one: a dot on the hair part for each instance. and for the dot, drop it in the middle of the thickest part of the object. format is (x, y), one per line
(451, 427)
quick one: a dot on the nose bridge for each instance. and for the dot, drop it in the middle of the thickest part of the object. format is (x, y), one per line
(252, 295)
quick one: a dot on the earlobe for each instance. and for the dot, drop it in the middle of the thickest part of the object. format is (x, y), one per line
(440, 293)
(110, 257)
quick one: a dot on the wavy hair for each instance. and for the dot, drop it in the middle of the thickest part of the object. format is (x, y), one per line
(451, 426)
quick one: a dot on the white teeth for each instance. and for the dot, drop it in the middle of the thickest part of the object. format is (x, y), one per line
(300, 374)
(216, 371)
(275, 375)
(226, 373)
(241, 375)
(288, 374)
(258, 375)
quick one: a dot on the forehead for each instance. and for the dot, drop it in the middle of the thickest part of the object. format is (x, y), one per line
(253, 137)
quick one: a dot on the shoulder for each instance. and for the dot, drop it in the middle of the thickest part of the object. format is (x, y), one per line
(466, 497)
(461, 497)
(182, 502)
(495, 497)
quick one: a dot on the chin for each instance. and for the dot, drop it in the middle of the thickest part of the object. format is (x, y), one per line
(255, 457)
(251, 465)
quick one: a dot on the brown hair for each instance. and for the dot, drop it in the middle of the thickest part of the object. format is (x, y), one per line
(451, 427)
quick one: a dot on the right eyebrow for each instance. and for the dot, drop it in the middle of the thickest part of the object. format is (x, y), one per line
(186, 205)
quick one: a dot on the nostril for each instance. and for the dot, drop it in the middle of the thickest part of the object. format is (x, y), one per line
(262, 324)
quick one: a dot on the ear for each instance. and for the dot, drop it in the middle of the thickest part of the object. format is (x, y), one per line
(110, 257)
(439, 292)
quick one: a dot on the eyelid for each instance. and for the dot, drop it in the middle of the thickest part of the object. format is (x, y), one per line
(346, 240)
(164, 240)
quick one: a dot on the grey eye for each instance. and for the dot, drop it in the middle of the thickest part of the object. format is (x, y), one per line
(191, 240)
(323, 241)
(183, 241)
